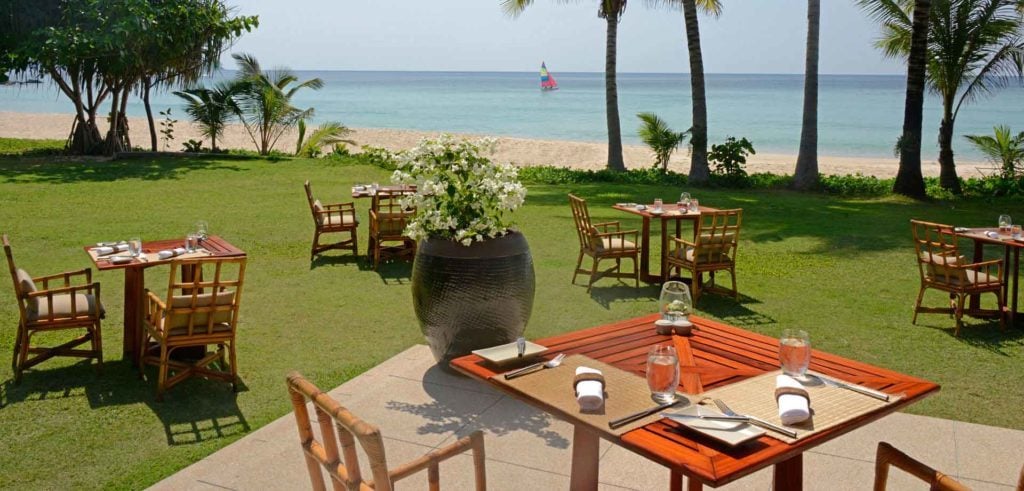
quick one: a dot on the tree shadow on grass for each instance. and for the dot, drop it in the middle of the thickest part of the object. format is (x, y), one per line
(20, 170)
(732, 312)
(979, 333)
(623, 292)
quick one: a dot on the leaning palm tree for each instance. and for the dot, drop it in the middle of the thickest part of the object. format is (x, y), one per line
(806, 174)
(611, 11)
(1003, 149)
(210, 108)
(265, 102)
(974, 47)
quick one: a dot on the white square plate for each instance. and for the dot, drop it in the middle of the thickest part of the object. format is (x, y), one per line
(728, 432)
(509, 353)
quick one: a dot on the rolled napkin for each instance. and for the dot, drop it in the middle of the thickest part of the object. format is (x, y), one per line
(166, 254)
(794, 401)
(589, 385)
(992, 235)
(103, 251)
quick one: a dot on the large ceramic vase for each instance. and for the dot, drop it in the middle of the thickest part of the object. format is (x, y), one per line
(472, 297)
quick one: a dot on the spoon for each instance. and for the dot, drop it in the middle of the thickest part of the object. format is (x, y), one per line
(552, 363)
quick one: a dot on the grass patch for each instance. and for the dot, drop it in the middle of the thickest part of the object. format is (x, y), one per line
(21, 147)
(841, 268)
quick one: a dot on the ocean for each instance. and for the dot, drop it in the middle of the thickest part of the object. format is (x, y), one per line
(858, 115)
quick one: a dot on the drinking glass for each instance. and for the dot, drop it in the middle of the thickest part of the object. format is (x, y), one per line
(658, 204)
(684, 201)
(675, 303)
(1004, 223)
(202, 229)
(794, 352)
(134, 247)
(662, 373)
(1015, 231)
(694, 205)
(191, 242)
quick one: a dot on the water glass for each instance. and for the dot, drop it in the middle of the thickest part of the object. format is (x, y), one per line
(202, 229)
(191, 242)
(684, 201)
(794, 352)
(694, 205)
(1005, 223)
(1015, 231)
(134, 247)
(658, 203)
(675, 303)
(663, 373)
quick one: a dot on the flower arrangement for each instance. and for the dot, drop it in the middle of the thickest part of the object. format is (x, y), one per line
(461, 195)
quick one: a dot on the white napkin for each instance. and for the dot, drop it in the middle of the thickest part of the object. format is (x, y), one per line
(589, 393)
(792, 408)
(165, 254)
(101, 251)
(992, 235)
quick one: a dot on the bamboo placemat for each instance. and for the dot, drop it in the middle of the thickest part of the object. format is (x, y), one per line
(625, 393)
(830, 406)
(152, 256)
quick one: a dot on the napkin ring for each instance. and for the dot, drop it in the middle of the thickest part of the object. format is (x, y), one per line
(585, 377)
(796, 391)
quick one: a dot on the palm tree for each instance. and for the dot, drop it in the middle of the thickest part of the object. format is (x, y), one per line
(327, 134)
(806, 174)
(655, 133)
(974, 47)
(909, 179)
(265, 102)
(1003, 149)
(611, 11)
(211, 108)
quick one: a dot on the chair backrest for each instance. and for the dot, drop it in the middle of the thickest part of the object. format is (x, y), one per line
(581, 217)
(887, 456)
(937, 251)
(205, 298)
(389, 213)
(343, 469)
(311, 200)
(718, 233)
(18, 278)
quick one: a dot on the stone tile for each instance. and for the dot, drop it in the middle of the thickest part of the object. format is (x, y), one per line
(926, 439)
(831, 473)
(457, 473)
(985, 486)
(988, 453)
(417, 363)
(516, 433)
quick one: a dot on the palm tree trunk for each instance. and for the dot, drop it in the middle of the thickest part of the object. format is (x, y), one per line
(147, 85)
(806, 174)
(947, 167)
(699, 171)
(909, 180)
(615, 162)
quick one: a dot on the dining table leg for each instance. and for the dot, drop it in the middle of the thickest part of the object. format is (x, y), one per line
(664, 249)
(1016, 281)
(585, 459)
(134, 308)
(789, 474)
(975, 302)
(645, 252)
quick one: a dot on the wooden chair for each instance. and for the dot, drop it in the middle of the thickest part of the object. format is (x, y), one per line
(712, 249)
(330, 219)
(197, 312)
(388, 219)
(344, 470)
(54, 308)
(603, 241)
(942, 267)
(888, 455)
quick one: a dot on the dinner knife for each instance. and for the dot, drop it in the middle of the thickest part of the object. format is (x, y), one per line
(625, 420)
(882, 396)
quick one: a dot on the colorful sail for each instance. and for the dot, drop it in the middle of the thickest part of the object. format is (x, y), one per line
(547, 82)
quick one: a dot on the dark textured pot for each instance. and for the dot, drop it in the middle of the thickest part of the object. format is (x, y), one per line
(472, 297)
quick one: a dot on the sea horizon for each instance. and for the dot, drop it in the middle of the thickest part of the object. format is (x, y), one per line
(859, 115)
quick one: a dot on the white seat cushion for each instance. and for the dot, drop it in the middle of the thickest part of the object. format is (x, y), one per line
(615, 244)
(84, 306)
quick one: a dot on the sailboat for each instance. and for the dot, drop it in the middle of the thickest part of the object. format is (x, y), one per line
(547, 82)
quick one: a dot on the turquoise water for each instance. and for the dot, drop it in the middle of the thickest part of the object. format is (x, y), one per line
(859, 115)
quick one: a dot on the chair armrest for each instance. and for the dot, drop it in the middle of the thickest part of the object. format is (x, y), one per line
(474, 442)
(992, 268)
(888, 455)
(67, 275)
(341, 206)
(155, 308)
(605, 225)
(620, 235)
(47, 295)
(683, 242)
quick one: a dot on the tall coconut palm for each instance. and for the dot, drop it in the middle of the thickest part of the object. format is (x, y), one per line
(909, 179)
(611, 11)
(210, 108)
(265, 102)
(974, 47)
(806, 174)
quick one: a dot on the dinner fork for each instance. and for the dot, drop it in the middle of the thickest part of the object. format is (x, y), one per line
(552, 363)
(756, 421)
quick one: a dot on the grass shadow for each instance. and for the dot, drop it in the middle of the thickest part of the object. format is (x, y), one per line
(76, 169)
(980, 333)
(623, 292)
(346, 260)
(730, 311)
(390, 272)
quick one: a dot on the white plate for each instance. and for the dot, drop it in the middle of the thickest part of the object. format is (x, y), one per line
(509, 353)
(727, 432)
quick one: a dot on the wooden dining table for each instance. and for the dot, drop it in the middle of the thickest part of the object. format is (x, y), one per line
(670, 215)
(1011, 266)
(367, 193)
(135, 281)
(718, 355)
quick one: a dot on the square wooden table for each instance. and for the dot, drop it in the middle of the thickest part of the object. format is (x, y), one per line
(1011, 265)
(367, 194)
(135, 281)
(720, 355)
(671, 214)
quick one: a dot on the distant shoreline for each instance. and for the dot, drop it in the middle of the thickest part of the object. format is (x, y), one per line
(521, 151)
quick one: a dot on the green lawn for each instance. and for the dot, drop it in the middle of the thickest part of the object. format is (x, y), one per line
(843, 269)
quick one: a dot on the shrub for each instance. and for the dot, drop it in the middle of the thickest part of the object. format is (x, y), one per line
(655, 133)
(728, 159)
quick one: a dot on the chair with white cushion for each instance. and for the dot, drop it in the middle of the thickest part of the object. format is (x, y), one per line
(331, 219)
(603, 241)
(712, 249)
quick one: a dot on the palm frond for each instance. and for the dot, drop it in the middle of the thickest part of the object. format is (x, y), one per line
(515, 8)
(327, 134)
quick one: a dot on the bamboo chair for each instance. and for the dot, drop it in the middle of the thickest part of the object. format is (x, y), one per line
(344, 470)
(388, 219)
(712, 249)
(54, 308)
(602, 241)
(331, 219)
(888, 455)
(195, 313)
(942, 267)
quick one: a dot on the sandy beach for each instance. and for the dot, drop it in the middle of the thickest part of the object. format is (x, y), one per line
(520, 151)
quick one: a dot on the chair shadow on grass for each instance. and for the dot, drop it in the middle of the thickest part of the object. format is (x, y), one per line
(335, 260)
(622, 292)
(442, 416)
(390, 272)
(978, 333)
(730, 311)
(195, 411)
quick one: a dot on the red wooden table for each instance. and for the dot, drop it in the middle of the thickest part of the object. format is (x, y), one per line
(135, 281)
(645, 236)
(1011, 265)
(721, 354)
(367, 194)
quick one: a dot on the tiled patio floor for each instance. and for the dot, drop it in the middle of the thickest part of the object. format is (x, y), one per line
(419, 407)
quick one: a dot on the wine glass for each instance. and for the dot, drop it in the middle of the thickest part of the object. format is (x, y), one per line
(202, 229)
(675, 303)
(684, 201)
(1005, 223)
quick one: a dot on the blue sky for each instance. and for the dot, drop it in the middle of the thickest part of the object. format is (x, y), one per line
(751, 36)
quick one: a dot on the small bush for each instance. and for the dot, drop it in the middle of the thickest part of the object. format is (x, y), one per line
(855, 185)
(728, 160)
(379, 157)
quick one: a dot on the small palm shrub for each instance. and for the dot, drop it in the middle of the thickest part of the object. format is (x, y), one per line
(1003, 149)
(655, 133)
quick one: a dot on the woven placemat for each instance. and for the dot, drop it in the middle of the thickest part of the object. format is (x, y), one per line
(625, 393)
(152, 256)
(830, 406)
